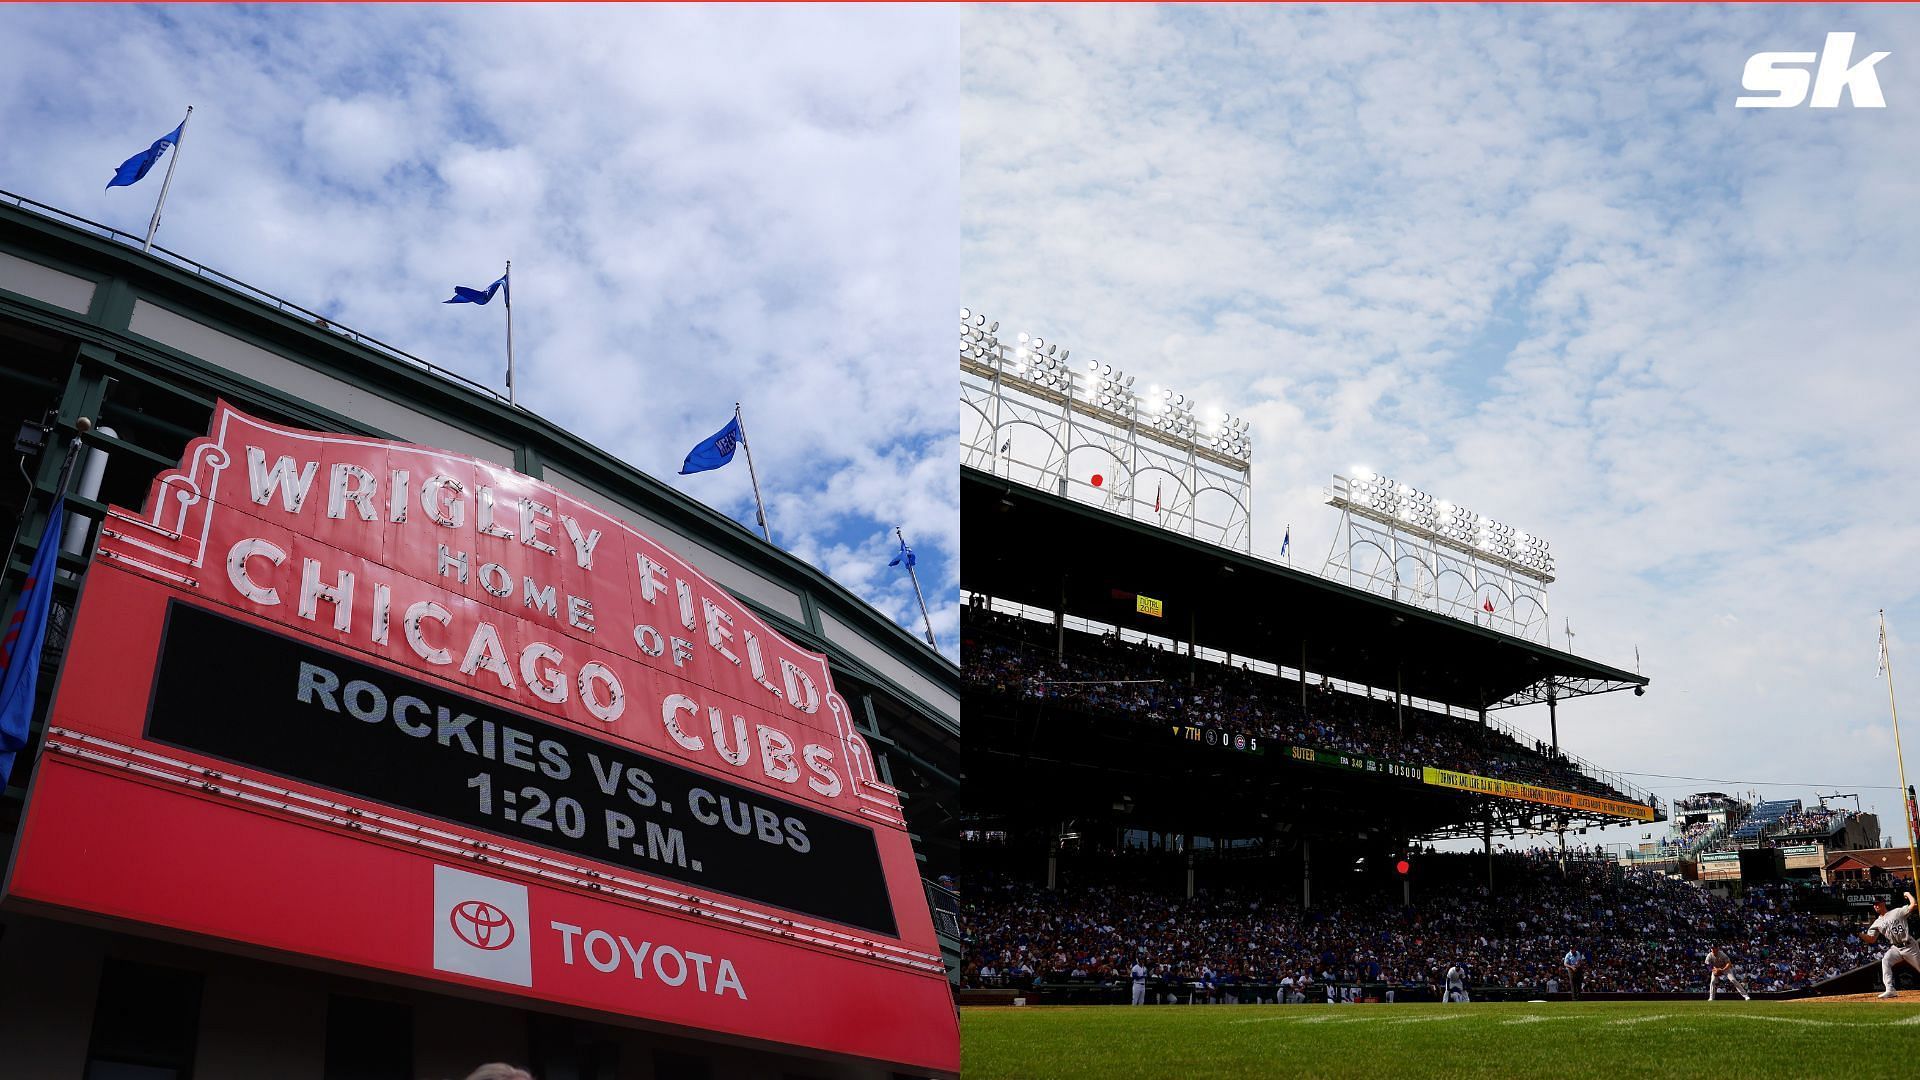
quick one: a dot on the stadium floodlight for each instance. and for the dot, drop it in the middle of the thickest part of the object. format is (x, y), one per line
(1227, 434)
(1173, 416)
(1030, 379)
(978, 345)
(1470, 566)
(1042, 363)
(1110, 388)
(1388, 502)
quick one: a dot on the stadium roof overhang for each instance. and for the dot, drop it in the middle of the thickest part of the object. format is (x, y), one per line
(1044, 550)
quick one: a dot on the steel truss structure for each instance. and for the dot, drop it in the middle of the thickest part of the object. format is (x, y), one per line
(1081, 431)
(1396, 541)
(1492, 816)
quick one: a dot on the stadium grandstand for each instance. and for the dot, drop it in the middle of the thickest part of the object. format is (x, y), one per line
(1764, 817)
(130, 356)
(1723, 840)
(1232, 771)
(1070, 678)
(1232, 943)
(1243, 831)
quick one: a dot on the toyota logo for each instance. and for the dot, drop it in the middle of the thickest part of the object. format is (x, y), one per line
(481, 925)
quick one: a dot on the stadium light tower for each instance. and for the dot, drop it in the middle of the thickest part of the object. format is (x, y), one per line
(1400, 542)
(1082, 430)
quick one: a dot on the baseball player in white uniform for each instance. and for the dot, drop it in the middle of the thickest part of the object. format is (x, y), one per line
(1891, 927)
(1456, 985)
(1139, 974)
(1720, 964)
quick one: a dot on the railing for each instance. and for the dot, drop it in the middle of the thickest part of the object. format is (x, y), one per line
(1700, 806)
(233, 284)
(1581, 765)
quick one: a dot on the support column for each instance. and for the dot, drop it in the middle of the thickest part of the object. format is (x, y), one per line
(1189, 866)
(1053, 858)
(1306, 874)
(1553, 714)
(1399, 700)
(1060, 623)
(1303, 676)
(1487, 836)
(1193, 647)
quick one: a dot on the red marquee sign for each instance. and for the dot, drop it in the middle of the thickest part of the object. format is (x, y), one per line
(382, 705)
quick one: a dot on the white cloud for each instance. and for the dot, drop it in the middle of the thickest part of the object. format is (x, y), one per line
(357, 141)
(702, 207)
(1530, 260)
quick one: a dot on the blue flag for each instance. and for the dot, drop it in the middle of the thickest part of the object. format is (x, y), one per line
(1286, 540)
(20, 646)
(715, 451)
(905, 555)
(137, 166)
(464, 295)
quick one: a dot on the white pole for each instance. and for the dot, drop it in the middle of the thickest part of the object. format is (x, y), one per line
(759, 508)
(918, 595)
(507, 279)
(172, 160)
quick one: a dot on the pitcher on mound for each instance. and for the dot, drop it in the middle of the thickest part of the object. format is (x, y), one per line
(1891, 927)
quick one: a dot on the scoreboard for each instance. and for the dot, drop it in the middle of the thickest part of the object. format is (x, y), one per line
(379, 705)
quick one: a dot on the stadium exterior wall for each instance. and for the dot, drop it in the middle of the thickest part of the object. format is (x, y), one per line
(146, 344)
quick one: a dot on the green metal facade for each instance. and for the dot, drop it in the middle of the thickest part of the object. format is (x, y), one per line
(95, 353)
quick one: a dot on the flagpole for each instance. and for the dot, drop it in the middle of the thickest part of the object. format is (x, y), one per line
(507, 284)
(918, 595)
(81, 427)
(759, 508)
(172, 160)
(1906, 793)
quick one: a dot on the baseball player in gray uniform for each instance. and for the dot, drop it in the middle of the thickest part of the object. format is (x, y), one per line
(1891, 927)
(1720, 964)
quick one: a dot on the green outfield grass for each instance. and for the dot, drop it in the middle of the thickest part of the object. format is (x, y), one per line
(1607, 1041)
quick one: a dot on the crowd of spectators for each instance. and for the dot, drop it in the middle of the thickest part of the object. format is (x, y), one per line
(1105, 675)
(1642, 932)
(1687, 840)
(1812, 821)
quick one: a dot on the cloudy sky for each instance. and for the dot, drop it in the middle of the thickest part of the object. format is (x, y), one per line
(1536, 262)
(701, 206)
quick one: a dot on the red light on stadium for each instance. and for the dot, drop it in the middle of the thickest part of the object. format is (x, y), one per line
(1403, 867)
(1098, 480)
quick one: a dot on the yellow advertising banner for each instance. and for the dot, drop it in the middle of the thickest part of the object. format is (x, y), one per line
(1147, 605)
(1534, 793)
